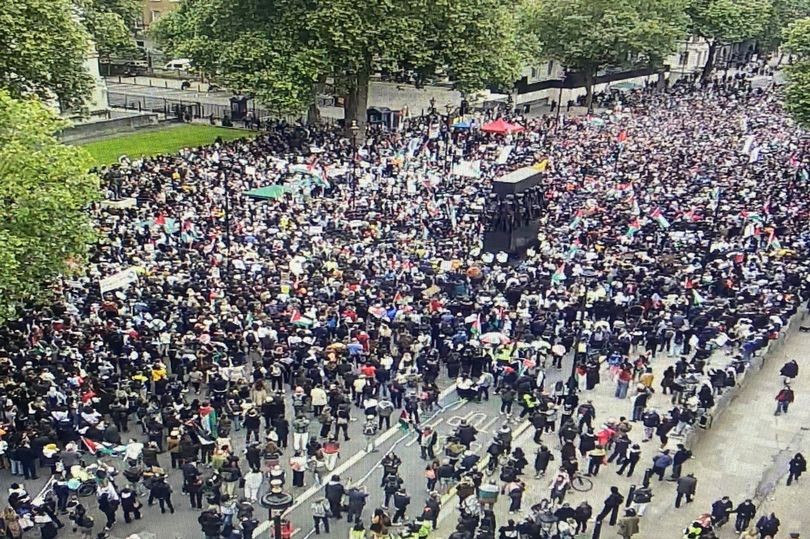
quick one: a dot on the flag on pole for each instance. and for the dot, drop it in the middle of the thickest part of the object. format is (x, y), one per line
(751, 216)
(633, 228)
(91, 446)
(659, 218)
(297, 319)
(697, 299)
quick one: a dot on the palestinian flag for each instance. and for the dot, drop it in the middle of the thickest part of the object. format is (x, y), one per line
(633, 228)
(559, 275)
(573, 250)
(659, 218)
(475, 327)
(297, 319)
(697, 299)
(751, 216)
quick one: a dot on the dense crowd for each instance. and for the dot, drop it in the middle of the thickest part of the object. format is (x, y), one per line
(674, 225)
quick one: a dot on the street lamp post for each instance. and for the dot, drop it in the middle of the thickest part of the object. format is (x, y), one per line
(276, 501)
(227, 188)
(559, 97)
(449, 108)
(354, 130)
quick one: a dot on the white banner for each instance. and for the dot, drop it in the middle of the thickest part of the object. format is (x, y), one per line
(503, 156)
(468, 169)
(122, 279)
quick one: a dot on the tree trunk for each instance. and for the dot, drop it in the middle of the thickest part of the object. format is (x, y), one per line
(356, 103)
(314, 113)
(589, 89)
(709, 67)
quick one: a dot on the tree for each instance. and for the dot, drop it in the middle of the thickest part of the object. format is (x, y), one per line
(284, 51)
(780, 15)
(43, 52)
(109, 23)
(45, 189)
(724, 22)
(589, 35)
(797, 92)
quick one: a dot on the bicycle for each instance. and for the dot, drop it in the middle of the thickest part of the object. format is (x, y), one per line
(580, 483)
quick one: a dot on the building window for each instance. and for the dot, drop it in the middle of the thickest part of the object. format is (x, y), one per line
(684, 58)
(550, 67)
(155, 15)
(534, 73)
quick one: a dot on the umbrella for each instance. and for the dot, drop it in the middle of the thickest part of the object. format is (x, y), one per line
(494, 337)
(501, 127)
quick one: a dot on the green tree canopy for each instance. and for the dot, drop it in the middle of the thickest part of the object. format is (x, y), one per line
(723, 22)
(45, 189)
(110, 23)
(797, 92)
(780, 15)
(43, 51)
(283, 51)
(588, 35)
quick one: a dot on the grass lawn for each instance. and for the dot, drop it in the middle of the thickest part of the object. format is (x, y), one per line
(158, 141)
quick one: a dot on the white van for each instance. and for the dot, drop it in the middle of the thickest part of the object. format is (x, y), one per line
(179, 64)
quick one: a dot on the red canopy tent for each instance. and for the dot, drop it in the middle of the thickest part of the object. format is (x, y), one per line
(501, 127)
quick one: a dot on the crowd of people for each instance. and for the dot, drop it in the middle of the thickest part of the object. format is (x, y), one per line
(257, 331)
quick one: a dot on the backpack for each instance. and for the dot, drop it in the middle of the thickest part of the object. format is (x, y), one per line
(391, 483)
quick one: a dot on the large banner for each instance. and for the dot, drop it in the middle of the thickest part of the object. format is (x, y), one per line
(122, 279)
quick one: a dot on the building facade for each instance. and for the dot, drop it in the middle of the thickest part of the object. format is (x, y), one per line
(548, 82)
(153, 10)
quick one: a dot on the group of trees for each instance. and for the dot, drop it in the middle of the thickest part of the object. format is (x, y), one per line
(284, 51)
(797, 93)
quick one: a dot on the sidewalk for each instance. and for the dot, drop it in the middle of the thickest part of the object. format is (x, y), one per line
(728, 460)
(745, 453)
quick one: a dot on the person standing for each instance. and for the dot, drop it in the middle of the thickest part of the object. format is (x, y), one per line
(768, 525)
(541, 461)
(300, 433)
(357, 501)
(612, 504)
(680, 456)
(628, 525)
(783, 399)
(515, 491)
(253, 483)
(796, 467)
(686, 488)
(582, 514)
(108, 502)
(596, 458)
(401, 502)
(130, 504)
(661, 462)
(641, 499)
(334, 491)
(745, 514)
(320, 515)
(633, 456)
(162, 492)
(427, 442)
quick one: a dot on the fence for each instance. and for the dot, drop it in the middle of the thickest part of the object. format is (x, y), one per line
(177, 107)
